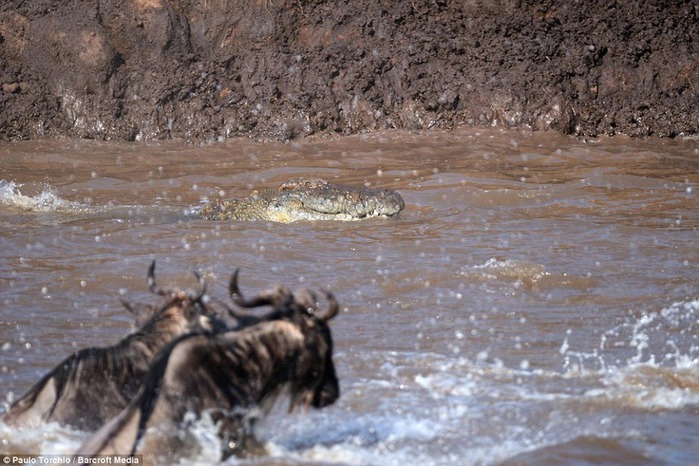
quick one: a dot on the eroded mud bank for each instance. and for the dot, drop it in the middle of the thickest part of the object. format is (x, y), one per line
(281, 69)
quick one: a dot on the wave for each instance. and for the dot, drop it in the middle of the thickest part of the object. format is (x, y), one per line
(45, 201)
(50, 438)
(666, 338)
(649, 361)
(522, 274)
(437, 409)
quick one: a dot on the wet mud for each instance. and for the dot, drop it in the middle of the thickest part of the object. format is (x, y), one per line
(285, 69)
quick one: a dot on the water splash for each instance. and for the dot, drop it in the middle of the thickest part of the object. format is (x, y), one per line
(666, 338)
(46, 201)
(522, 273)
(50, 438)
(648, 362)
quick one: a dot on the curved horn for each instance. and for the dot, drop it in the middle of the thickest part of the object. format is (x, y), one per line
(233, 289)
(266, 298)
(151, 281)
(333, 307)
(202, 287)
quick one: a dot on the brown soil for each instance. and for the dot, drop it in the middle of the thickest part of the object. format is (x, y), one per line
(280, 69)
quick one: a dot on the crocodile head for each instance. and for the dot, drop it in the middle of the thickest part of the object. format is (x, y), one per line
(309, 199)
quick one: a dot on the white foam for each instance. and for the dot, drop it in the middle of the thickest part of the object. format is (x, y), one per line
(648, 362)
(515, 272)
(46, 201)
(668, 338)
(50, 438)
(435, 409)
(371, 438)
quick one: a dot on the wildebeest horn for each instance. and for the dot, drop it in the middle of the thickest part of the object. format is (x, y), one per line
(266, 298)
(202, 287)
(233, 289)
(151, 281)
(129, 307)
(333, 307)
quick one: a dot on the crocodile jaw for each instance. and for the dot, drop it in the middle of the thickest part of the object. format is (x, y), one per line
(286, 213)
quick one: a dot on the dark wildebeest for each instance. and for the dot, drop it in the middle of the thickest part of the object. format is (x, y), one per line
(93, 385)
(229, 376)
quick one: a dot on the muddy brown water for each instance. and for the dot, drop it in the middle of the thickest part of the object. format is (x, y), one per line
(537, 302)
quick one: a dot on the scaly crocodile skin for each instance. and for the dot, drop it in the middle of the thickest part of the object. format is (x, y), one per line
(308, 199)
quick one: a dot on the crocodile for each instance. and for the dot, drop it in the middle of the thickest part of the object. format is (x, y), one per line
(307, 199)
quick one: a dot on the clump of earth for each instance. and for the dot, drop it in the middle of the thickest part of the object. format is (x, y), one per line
(281, 69)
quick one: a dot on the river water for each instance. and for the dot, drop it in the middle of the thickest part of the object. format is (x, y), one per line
(536, 303)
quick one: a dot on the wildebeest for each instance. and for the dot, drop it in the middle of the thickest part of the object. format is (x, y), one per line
(227, 376)
(93, 385)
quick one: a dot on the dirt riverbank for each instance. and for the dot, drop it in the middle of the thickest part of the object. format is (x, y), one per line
(283, 69)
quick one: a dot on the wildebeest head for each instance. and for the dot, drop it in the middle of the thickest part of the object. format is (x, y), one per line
(186, 309)
(320, 369)
(316, 382)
